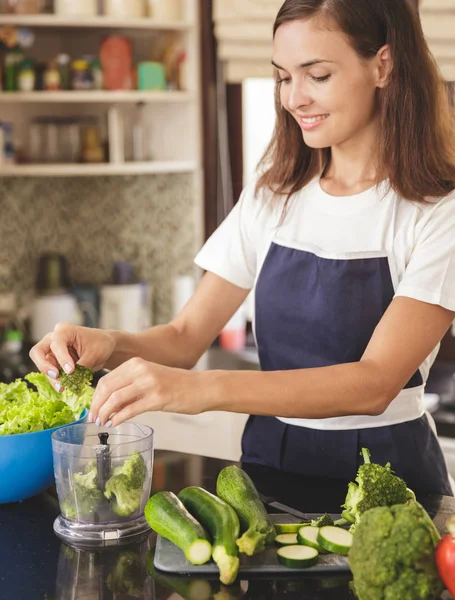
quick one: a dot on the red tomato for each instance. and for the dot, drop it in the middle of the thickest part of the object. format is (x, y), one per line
(445, 562)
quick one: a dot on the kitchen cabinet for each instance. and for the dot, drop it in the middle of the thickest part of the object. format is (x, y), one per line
(172, 116)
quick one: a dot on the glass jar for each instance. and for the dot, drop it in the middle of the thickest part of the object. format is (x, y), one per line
(124, 9)
(81, 76)
(79, 8)
(52, 82)
(26, 76)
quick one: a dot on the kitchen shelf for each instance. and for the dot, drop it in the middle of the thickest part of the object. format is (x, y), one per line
(87, 97)
(95, 22)
(91, 170)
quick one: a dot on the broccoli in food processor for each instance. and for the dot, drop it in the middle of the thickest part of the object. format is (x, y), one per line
(124, 488)
(82, 502)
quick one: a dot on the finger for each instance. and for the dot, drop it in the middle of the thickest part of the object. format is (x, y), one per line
(62, 341)
(108, 385)
(40, 355)
(117, 401)
(130, 411)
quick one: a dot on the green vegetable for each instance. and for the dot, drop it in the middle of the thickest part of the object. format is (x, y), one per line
(286, 539)
(288, 527)
(235, 487)
(167, 515)
(126, 485)
(127, 578)
(308, 536)
(84, 497)
(222, 523)
(374, 486)
(334, 539)
(297, 557)
(392, 554)
(26, 410)
(322, 521)
(77, 381)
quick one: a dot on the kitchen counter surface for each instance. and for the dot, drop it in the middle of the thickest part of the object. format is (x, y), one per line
(36, 565)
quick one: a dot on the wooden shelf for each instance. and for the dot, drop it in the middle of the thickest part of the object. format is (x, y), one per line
(96, 22)
(91, 170)
(96, 96)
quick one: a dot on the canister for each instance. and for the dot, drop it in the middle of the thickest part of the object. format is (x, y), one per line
(124, 9)
(83, 8)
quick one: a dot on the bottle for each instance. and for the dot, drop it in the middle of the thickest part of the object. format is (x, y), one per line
(12, 60)
(26, 77)
(97, 74)
(140, 137)
(52, 81)
(63, 65)
(10, 157)
(92, 151)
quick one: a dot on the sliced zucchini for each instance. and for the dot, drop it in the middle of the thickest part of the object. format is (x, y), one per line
(335, 539)
(297, 557)
(286, 539)
(308, 536)
(288, 527)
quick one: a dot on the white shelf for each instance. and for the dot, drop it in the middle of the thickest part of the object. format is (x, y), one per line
(91, 170)
(97, 22)
(107, 97)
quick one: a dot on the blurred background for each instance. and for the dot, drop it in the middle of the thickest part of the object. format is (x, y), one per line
(128, 129)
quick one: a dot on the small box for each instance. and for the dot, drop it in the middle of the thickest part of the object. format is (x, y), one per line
(151, 76)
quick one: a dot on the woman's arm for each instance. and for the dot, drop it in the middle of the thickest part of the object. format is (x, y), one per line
(182, 342)
(405, 336)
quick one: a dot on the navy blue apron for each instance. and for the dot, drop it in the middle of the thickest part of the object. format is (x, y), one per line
(315, 312)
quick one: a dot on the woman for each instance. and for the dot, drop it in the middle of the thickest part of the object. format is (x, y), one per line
(347, 239)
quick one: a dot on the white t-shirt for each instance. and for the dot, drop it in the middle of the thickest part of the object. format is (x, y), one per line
(417, 239)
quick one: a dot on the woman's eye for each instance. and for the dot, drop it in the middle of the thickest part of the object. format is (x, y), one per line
(284, 80)
(320, 79)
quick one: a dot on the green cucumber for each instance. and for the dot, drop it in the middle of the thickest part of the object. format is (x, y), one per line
(308, 536)
(286, 539)
(166, 515)
(288, 527)
(297, 557)
(235, 487)
(335, 540)
(222, 523)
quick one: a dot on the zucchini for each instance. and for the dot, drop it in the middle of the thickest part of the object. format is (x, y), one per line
(166, 515)
(297, 557)
(222, 523)
(288, 527)
(308, 536)
(236, 488)
(286, 539)
(335, 539)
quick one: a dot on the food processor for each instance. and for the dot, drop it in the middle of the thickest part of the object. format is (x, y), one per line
(103, 479)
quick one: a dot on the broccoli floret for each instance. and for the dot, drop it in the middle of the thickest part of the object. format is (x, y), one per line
(392, 554)
(374, 486)
(77, 380)
(125, 486)
(85, 496)
(322, 521)
(128, 576)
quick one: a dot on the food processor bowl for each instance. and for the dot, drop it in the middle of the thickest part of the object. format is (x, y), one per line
(103, 478)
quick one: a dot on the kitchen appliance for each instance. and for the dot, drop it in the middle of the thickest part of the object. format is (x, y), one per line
(48, 310)
(53, 273)
(126, 307)
(86, 451)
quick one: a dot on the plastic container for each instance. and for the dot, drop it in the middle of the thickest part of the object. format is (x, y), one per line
(99, 451)
(26, 464)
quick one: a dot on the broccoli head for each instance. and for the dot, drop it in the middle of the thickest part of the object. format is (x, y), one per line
(77, 380)
(125, 486)
(83, 500)
(392, 554)
(374, 486)
(322, 521)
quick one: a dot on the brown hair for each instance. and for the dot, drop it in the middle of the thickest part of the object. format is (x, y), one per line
(417, 133)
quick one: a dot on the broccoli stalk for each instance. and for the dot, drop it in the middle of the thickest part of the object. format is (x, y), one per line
(124, 488)
(375, 485)
(85, 496)
(392, 554)
(77, 380)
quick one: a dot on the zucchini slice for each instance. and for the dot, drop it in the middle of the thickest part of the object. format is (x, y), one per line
(286, 539)
(287, 527)
(335, 539)
(297, 557)
(308, 536)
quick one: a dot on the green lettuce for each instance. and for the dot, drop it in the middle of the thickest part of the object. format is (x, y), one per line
(26, 410)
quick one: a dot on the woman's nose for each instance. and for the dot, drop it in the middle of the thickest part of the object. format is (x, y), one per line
(298, 97)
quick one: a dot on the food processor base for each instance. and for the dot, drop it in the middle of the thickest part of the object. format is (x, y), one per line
(91, 535)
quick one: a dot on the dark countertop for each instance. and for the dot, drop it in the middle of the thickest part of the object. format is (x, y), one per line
(36, 565)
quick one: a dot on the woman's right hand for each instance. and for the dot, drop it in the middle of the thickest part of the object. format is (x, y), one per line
(69, 344)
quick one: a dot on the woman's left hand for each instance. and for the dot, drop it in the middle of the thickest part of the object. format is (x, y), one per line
(138, 386)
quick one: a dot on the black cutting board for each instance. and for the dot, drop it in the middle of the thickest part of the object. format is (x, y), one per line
(170, 559)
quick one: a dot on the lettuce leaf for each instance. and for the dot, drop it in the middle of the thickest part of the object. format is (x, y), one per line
(24, 410)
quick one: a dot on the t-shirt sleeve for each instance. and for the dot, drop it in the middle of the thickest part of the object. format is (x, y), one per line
(430, 274)
(231, 252)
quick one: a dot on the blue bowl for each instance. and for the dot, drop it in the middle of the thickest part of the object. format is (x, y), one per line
(26, 463)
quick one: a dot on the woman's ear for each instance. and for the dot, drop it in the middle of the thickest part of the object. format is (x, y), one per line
(384, 66)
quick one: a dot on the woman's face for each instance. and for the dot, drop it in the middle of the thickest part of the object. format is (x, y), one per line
(328, 89)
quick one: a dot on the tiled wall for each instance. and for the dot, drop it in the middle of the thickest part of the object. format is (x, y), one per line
(152, 221)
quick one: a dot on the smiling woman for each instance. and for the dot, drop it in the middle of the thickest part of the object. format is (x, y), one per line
(345, 236)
